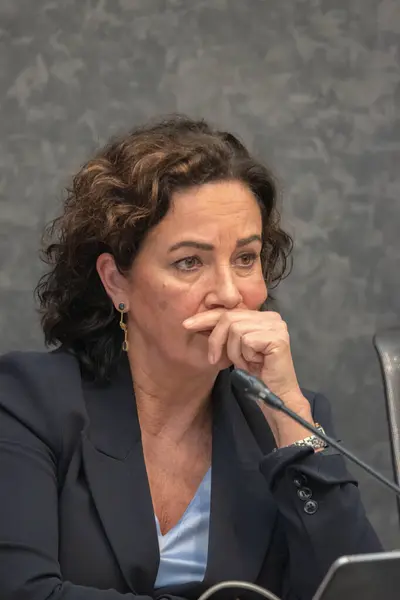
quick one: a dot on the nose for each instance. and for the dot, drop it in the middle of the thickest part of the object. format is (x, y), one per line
(224, 292)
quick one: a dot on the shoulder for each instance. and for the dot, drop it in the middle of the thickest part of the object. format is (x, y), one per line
(39, 371)
(38, 360)
(40, 390)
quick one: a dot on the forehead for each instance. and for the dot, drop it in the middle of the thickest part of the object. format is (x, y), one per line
(224, 204)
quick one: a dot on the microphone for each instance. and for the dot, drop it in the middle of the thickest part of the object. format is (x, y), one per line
(251, 387)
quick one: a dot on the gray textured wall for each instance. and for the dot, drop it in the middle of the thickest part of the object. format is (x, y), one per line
(311, 85)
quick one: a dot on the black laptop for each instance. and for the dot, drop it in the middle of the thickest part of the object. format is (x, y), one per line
(362, 577)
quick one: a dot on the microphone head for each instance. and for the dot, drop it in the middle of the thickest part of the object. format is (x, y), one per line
(244, 383)
(249, 386)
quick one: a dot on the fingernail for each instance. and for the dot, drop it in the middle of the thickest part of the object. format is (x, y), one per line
(188, 322)
(211, 357)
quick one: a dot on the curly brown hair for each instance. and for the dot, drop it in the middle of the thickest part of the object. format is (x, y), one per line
(113, 202)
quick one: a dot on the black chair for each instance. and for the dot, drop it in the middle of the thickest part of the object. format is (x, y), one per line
(387, 344)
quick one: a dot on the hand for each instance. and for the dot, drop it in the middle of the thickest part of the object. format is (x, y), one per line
(258, 342)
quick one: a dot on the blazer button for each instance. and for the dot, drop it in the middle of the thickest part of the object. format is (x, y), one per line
(300, 480)
(311, 507)
(304, 493)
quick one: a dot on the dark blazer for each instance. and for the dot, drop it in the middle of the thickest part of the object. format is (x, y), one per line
(76, 517)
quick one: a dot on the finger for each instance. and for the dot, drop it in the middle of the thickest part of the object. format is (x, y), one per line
(270, 319)
(217, 340)
(265, 342)
(204, 320)
(240, 321)
(254, 345)
(250, 355)
(272, 314)
(209, 318)
(234, 343)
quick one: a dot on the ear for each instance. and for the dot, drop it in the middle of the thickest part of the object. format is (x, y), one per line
(115, 284)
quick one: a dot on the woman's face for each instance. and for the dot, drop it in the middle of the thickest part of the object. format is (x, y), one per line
(204, 254)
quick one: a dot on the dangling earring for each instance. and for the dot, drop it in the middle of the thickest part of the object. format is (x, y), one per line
(125, 345)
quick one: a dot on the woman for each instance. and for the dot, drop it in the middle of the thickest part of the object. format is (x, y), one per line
(129, 469)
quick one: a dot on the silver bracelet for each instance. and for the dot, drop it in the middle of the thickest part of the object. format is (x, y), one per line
(313, 441)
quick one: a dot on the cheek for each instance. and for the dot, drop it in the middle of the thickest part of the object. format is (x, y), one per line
(163, 305)
(179, 302)
(254, 293)
(171, 302)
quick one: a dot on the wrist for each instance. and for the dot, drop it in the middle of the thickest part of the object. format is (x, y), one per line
(288, 434)
(287, 431)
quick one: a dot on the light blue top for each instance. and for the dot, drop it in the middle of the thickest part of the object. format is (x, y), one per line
(184, 548)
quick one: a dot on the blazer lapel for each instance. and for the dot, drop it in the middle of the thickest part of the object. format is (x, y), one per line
(243, 511)
(116, 473)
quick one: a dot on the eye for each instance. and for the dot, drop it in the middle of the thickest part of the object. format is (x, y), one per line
(189, 263)
(247, 260)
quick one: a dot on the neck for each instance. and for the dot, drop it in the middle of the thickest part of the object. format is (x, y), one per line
(171, 401)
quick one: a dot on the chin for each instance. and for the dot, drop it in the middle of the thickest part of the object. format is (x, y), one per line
(199, 362)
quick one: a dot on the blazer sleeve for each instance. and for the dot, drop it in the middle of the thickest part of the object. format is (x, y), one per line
(29, 447)
(320, 509)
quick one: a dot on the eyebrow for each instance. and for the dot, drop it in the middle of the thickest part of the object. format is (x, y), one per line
(203, 246)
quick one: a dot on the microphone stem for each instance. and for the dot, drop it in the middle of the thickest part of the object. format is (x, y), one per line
(326, 438)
